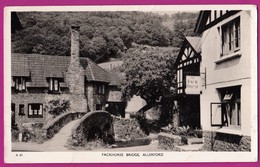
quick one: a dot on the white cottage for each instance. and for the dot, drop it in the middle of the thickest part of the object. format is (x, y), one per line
(225, 98)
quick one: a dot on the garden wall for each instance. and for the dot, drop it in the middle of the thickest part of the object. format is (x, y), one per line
(168, 141)
(214, 141)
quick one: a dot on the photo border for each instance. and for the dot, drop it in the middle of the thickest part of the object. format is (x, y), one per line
(6, 3)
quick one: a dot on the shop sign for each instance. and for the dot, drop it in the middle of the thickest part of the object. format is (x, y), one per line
(193, 84)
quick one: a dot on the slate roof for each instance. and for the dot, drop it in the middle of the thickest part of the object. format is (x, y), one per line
(95, 73)
(40, 67)
(116, 79)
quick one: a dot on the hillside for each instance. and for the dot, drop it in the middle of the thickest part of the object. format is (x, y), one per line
(102, 34)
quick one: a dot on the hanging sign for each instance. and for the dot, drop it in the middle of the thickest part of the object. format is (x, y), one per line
(193, 84)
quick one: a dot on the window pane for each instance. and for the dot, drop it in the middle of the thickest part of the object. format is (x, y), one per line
(216, 114)
(56, 84)
(51, 84)
(230, 36)
(23, 83)
(40, 110)
(17, 83)
(231, 105)
(30, 110)
(103, 89)
(21, 109)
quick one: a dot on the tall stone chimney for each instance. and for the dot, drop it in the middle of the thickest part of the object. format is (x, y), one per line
(74, 44)
(75, 77)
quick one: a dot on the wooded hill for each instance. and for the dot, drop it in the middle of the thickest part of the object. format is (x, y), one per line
(102, 34)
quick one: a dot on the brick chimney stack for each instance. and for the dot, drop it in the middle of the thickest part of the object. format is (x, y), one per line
(75, 77)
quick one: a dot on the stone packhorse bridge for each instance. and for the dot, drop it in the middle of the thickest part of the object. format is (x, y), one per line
(93, 125)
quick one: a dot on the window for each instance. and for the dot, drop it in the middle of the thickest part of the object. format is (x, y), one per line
(21, 109)
(101, 89)
(179, 81)
(20, 83)
(35, 110)
(230, 37)
(54, 85)
(228, 112)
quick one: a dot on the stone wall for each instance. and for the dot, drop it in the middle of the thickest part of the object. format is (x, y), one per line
(169, 141)
(25, 99)
(99, 121)
(93, 97)
(75, 76)
(214, 141)
(29, 97)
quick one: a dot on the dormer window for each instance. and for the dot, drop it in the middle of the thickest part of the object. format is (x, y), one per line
(230, 37)
(54, 85)
(20, 83)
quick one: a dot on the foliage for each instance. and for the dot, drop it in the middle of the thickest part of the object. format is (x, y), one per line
(56, 107)
(127, 129)
(183, 131)
(182, 28)
(153, 117)
(149, 73)
(102, 34)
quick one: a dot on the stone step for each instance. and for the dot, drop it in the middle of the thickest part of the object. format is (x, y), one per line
(192, 141)
(193, 147)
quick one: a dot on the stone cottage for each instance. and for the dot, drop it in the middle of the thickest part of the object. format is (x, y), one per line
(38, 78)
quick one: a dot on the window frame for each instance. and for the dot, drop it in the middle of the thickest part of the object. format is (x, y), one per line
(37, 114)
(230, 34)
(229, 96)
(101, 89)
(20, 107)
(224, 116)
(52, 85)
(20, 84)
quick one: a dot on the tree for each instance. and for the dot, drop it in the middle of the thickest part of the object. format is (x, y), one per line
(149, 73)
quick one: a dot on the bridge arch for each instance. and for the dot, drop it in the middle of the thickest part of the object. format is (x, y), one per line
(94, 125)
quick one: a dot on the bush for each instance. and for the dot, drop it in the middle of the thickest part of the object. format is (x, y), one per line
(57, 106)
(153, 117)
(127, 129)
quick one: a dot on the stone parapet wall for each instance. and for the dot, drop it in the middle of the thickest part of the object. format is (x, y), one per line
(214, 141)
(56, 124)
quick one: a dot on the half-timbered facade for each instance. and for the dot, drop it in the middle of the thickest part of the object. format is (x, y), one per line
(188, 82)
